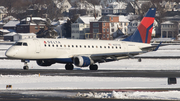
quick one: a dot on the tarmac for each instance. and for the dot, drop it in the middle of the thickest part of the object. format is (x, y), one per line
(92, 73)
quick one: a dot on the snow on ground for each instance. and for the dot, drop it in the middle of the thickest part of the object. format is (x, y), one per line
(170, 95)
(35, 82)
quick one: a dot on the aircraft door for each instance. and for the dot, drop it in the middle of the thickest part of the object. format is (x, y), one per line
(38, 46)
(125, 46)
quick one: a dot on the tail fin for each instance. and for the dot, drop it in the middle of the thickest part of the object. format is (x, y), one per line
(144, 30)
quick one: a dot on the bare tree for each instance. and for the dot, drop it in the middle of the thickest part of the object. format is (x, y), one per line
(161, 11)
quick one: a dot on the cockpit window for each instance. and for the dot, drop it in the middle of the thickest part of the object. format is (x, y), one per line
(20, 44)
(24, 44)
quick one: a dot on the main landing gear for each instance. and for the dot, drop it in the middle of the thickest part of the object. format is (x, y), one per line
(69, 66)
(93, 67)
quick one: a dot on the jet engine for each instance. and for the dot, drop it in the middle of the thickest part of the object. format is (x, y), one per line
(82, 61)
(45, 62)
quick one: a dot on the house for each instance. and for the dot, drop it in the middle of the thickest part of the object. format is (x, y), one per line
(85, 8)
(170, 27)
(36, 9)
(169, 5)
(11, 25)
(133, 26)
(117, 8)
(63, 6)
(3, 12)
(81, 26)
(8, 18)
(17, 36)
(31, 25)
(106, 26)
(3, 32)
(105, 3)
(10, 36)
(137, 5)
(59, 26)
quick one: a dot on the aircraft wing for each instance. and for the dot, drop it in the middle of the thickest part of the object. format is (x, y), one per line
(106, 57)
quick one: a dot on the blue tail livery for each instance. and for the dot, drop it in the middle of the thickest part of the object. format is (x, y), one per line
(144, 30)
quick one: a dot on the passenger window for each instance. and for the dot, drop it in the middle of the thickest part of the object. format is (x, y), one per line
(92, 46)
(96, 46)
(49, 45)
(60, 45)
(45, 45)
(104, 46)
(84, 46)
(100, 46)
(53, 45)
(68, 45)
(119, 47)
(76, 46)
(72, 45)
(64, 45)
(112, 47)
(116, 47)
(80, 46)
(108, 47)
(88, 46)
(56, 45)
(25, 44)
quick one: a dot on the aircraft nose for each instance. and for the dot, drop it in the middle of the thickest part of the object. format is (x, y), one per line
(10, 53)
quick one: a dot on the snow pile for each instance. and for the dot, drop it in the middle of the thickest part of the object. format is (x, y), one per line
(166, 95)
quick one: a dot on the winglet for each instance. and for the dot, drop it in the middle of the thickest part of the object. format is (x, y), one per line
(144, 30)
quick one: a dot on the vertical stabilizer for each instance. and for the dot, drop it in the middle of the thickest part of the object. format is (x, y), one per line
(144, 30)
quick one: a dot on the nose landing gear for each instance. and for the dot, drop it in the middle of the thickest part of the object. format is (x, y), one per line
(25, 67)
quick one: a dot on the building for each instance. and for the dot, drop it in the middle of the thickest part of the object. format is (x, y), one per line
(11, 25)
(169, 29)
(31, 25)
(3, 32)
(117, 8)
(133, 26)
(84, 8)
(81, 26)
(17, 36)
(3, 12)
(63, 6)
(107, 26)
(59, 26)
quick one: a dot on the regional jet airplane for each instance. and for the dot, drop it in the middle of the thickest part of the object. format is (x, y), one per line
(84, 53)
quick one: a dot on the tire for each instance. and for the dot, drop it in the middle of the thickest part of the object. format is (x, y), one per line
(93, 67)
(25, 67)
(69, 67)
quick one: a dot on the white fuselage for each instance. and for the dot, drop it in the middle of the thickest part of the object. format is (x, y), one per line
(67, 48)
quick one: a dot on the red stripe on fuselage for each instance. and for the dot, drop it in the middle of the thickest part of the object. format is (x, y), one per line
(145, 23)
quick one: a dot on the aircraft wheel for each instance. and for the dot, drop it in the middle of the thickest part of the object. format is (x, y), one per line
(69, 67)
(93, 67)
(25, 67)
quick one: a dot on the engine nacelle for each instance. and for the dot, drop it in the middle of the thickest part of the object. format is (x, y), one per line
(82, 61)
(45, 62)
